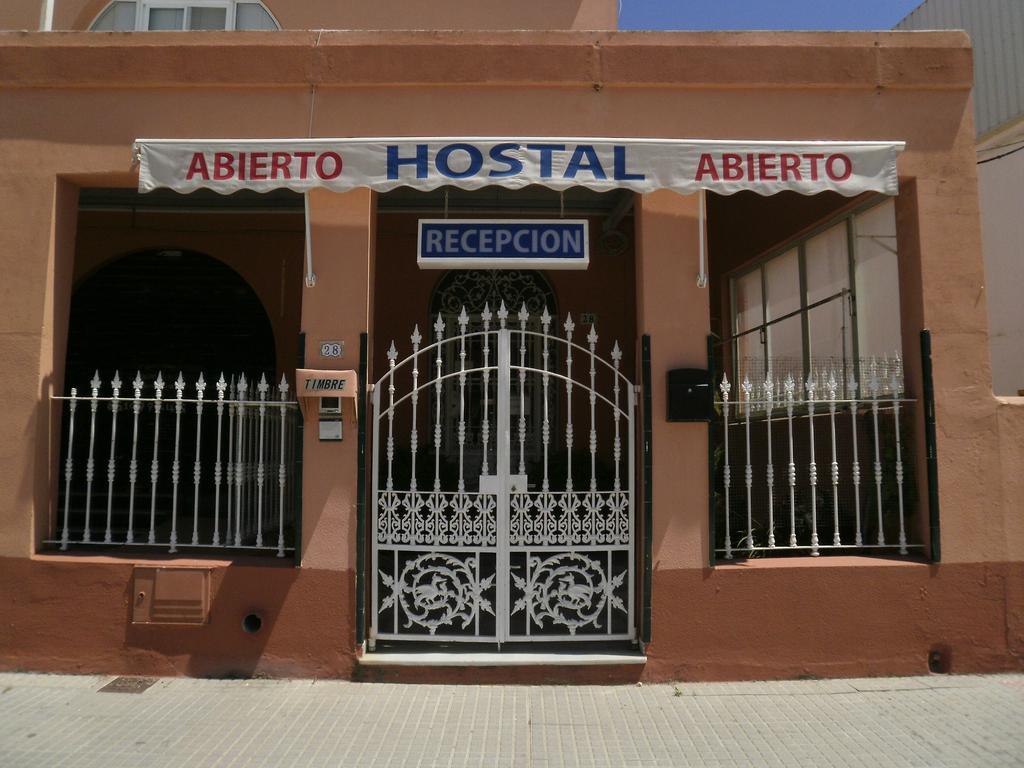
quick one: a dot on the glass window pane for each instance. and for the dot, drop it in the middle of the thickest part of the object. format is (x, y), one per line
(782, 284)
(750, 358)
(749, 312)
(253, 16)
(877, 276)
(207, 18)
(749, 315)
(785, 338)
(118, 17)
(785, 349)
(166, 18)
(828, 268)
(831, 339)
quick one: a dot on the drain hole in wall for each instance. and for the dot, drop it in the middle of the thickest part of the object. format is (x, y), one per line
(252, 623)
(939, 660)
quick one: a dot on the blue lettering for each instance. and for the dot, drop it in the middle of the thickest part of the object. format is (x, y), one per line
(476, 160)
(433, 244)
(545, 156)
(486, 241)
(451, 241)
(593, 164)
(521, 235)
(515, 165)
(420, 161)
(573, 241)
(620, 166)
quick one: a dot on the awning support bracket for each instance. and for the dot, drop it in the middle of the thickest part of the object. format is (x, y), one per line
(702, 275)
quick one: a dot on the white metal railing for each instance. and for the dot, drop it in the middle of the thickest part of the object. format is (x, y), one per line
(239, 440)
(775, 435)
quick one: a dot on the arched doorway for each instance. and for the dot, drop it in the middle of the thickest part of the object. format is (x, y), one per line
(167, 311)
(475, 288)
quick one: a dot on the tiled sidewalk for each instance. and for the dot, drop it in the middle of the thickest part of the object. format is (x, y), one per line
(49, 721)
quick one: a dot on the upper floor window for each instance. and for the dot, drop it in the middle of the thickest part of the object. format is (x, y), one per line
(140, 15)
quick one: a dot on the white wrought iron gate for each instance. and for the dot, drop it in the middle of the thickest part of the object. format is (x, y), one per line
(492, 520)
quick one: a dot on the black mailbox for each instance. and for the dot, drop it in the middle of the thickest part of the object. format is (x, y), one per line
(689, 395)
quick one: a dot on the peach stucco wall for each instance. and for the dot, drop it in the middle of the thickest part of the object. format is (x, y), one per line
(673, 311)
(364, 14)
(74, 102)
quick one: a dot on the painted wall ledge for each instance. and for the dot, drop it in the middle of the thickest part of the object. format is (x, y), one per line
(820, 563)
(792, 60)
(1011, 400)
(540, 659)
(162, 561)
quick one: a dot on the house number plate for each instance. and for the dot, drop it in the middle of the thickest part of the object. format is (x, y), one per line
(332, 348)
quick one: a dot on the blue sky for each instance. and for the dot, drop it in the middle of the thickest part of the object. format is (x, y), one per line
(763, 14)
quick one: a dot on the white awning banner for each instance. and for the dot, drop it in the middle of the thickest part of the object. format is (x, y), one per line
(641, 165)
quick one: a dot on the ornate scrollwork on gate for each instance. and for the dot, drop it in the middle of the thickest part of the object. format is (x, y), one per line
(472, 289)
(561, 518)
(436, 519)
(568, 589)
(552, 506)
(436, 590)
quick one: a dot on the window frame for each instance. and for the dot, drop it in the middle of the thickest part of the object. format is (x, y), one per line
(848, 295)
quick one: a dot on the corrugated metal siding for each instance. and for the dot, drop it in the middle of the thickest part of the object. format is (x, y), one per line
(996, 28)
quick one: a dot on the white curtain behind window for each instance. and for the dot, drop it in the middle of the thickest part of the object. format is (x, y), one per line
(785, 338)
(827, 267)
(749, 314)
(878, 280)
(207, 18)
(164, 19)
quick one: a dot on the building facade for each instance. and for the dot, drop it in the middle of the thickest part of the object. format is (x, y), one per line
(711, 397)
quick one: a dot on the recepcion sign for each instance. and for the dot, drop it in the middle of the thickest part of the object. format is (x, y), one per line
(502, 244)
